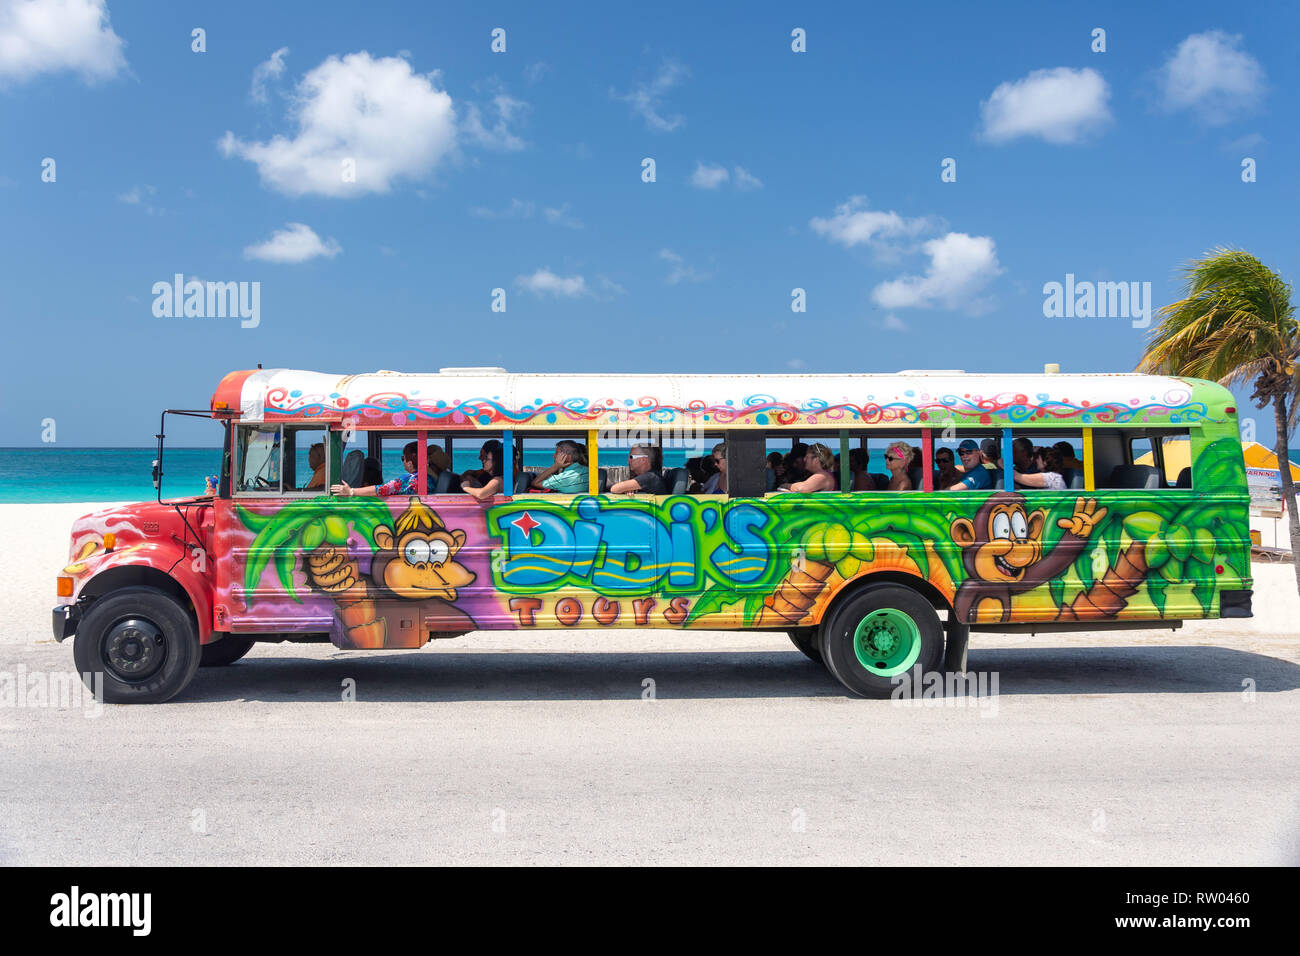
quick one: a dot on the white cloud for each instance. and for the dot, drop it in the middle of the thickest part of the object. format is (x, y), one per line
(46, 36)
(518, 209)
(647, 98)
(546, 282)
(681, 270)
(133, 195)
(708, 177)
(854, 224)
(892, 323)
(141, 196)
(1059, 105)
(526, 209)
(507, 111)
(264, 72)
(392, 123)
(960, 267)
(1213, 76)
(534, 72)
(559, 216)
(747, 180)
(294, 243)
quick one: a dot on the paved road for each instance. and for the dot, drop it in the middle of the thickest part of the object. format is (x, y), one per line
(1117, 749)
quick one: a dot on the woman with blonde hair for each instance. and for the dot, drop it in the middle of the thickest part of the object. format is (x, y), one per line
(818, 462)
(897, 458)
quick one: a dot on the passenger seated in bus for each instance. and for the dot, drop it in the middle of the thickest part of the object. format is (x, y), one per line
(1022, 459)
(775, 470)
(316, 462)
(1068, 459)
(1049, 474)
(717, 482)
(977, 476)
(406, 485)
(567, 475)
(443, 480)
(897, 457)
(794, 464)
(946, 474)
(371, 472)
(914, 465)
(817, 462)
(699, 469)
(1071, 467)
(858, 461)
(489, 456)
(487, 482)
(354, 469)
(645, 478)
(991, 453)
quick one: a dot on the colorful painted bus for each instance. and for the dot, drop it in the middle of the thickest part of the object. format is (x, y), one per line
(874, 584)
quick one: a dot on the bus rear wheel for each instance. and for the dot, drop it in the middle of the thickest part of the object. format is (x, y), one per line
(142, 641)
(879, 634)
(805, 638)
(225, 651)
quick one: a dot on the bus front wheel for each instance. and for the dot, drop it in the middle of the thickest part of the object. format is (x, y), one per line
(805, 638)
(138, 645)
(878, 635)
(225, 651)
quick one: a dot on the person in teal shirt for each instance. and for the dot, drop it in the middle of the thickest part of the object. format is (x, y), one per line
(568, 474)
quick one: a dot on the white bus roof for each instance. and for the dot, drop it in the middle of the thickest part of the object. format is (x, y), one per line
(478, 398)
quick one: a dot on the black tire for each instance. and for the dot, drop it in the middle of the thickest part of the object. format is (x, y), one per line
(805, 638)
(225, 651)
(142, 642)
(886, 605)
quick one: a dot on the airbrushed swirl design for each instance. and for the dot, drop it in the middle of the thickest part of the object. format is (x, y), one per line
(1175, 406)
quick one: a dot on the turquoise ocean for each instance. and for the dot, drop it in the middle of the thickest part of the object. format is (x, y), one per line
(53, 474)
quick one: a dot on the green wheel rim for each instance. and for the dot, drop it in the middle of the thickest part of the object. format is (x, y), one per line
(887, 642)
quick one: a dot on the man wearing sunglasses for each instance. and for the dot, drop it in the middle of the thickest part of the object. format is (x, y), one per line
(645, 479)
(977, 476)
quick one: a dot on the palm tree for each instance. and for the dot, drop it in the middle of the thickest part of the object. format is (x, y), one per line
(1236, 324)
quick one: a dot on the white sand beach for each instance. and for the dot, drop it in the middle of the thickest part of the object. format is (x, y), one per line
(34, 547)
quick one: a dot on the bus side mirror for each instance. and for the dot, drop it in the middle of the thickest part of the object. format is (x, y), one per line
(157, 474)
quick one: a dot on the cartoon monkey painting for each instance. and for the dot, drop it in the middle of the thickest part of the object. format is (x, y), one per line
(416, 561)
(1002, 551)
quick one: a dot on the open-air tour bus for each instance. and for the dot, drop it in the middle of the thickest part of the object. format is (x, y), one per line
(874, 583)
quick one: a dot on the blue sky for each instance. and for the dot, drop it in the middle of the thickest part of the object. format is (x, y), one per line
(522, 170)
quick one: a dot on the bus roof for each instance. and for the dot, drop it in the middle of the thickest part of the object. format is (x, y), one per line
(490, 398)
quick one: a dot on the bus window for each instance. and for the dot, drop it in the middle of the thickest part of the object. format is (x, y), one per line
(258, 459)
(554, 464)
(1150, 458)
(306, 457)
(1050, 461)
(874, 461)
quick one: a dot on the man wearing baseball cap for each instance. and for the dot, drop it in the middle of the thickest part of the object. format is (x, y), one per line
(977, 476)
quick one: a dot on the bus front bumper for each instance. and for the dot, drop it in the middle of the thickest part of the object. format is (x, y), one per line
(65, 621)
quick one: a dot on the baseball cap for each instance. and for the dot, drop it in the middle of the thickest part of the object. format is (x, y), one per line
(968, 445)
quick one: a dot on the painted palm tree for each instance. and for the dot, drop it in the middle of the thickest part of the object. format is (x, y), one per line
(1236, 324)
(1165, 544)
(318, 530)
